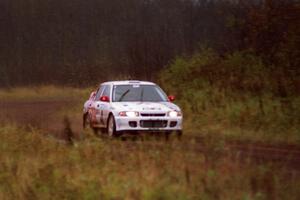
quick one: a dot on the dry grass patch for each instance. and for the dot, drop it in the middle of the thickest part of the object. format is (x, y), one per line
(37, 167)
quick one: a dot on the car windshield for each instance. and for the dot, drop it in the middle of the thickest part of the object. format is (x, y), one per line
(130, 93)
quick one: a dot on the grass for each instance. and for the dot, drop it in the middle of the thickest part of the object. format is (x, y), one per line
(209, 111)
(243, 120)
(33, 166)
(236, 96)
(48, 92)
(36, 166)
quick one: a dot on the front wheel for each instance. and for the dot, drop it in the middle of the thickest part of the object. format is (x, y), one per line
(111, 127)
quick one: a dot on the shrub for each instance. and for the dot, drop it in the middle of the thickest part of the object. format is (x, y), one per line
(233, 91)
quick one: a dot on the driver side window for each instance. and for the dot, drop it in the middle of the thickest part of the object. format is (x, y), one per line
(106, 91)
(99, 93)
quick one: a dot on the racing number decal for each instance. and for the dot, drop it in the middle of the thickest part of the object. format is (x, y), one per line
(92, 114)
(101, 107)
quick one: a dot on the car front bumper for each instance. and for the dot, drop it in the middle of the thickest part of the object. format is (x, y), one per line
(148, 123)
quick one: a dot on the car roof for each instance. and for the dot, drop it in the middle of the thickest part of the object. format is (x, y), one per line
(128, 82)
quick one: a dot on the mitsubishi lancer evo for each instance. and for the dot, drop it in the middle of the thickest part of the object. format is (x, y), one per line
(119, 107)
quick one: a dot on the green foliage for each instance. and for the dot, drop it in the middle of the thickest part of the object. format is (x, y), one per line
(234, 92)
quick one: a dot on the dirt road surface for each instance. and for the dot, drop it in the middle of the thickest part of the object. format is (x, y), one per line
(43, 115)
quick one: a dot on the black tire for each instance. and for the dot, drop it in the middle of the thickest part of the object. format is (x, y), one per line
(84, 120)
(111, 127)
(103, 130)
(87, 122)
(96, 131)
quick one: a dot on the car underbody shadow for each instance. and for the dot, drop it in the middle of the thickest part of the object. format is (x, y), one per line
(149, 136)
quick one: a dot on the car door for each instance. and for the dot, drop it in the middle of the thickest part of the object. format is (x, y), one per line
(95, 106)
(104, 105)
(89, 102)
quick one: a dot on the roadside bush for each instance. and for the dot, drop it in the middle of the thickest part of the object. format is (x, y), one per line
(235, 91)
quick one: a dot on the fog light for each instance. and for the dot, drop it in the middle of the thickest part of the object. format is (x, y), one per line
(173, 124)
(133, 124)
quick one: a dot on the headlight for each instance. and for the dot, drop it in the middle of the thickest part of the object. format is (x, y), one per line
(174, 114)
(129, 114)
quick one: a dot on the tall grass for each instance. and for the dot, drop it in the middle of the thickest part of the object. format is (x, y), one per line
(236, 95)
(35, 167)
(48, 92)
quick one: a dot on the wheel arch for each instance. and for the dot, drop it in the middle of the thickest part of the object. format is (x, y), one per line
(110, 114)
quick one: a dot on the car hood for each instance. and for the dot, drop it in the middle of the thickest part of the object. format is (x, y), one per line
(145, 106)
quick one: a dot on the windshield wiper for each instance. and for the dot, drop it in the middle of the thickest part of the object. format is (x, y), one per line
(124, 94)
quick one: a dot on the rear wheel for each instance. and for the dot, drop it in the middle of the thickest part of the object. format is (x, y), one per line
(103, 130)
(96, 131)
(85, 120)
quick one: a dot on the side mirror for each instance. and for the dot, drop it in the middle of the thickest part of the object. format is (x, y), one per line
(171, 98)
(104, 98)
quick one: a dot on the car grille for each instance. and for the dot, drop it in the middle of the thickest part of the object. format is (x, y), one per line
(153, 114)
(153, 123)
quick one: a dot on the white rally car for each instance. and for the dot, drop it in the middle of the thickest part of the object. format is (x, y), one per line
(131, 106)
